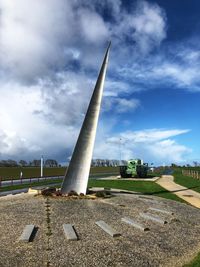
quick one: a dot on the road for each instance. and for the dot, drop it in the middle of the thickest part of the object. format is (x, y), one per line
(29, 180)
(49, 178)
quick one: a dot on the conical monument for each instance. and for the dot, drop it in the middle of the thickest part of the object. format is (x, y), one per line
(77, 174)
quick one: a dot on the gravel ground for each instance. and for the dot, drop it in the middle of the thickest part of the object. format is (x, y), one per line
(172, 244)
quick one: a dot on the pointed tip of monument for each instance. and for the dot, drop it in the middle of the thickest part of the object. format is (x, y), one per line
(109, 45)
(107, 50)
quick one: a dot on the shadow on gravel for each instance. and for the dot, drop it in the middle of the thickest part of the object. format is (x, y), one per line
(174, 191)
(154, 193)
(33, 234)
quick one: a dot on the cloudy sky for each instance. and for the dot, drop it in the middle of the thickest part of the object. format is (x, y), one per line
(50, 55)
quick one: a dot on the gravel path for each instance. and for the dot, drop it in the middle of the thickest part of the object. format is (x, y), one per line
(171, 245)
(190, 196)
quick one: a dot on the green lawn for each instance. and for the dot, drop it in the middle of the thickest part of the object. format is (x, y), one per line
(148, 188)
(186, 181)
(145, 187)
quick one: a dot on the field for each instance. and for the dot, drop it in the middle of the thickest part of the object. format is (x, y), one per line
(6, 173)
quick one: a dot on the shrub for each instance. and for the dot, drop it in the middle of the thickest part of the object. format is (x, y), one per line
(72, 193)
(100, 194)
(48, 191)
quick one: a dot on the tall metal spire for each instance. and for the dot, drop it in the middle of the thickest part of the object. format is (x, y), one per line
(77, 174)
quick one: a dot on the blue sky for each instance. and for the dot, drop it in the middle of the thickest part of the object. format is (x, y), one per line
(50, 55)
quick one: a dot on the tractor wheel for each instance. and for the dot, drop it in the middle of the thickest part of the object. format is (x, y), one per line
(123, 171)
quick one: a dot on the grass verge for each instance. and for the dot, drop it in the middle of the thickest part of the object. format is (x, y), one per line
(189, 182)
(145, 187)
(195, 262)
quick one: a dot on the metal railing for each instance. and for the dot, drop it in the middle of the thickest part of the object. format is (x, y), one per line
(29, 180)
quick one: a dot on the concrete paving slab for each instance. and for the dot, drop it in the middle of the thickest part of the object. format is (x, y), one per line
(70, 232)
(27, 233)
(107, 228)
(153, 218)
(162, 211)
(134, 224)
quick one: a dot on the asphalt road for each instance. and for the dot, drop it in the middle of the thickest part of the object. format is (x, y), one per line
(29, 180)
(49, 178)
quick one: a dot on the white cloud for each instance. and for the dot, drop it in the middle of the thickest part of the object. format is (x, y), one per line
(152, 135)
(169, 151)
(25, 134)
(179, 74)
(93, 27)
(152, 145)
(33, 35)
(119, 104)
(145, 27)
(50, 52)
(178, 68)
(149, 23)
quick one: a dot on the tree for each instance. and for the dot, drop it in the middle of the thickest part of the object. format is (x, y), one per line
(51, 163)
(36, 163)
(23, 163)
(196, 164)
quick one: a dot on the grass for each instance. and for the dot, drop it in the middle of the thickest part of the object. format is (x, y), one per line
(6, 173)
(195, 262)
(186, 181)
(145, 187)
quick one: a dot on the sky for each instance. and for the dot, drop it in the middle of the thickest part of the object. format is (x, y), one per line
(50, 55)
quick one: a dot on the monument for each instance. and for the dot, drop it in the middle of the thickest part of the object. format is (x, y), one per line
(77, 174)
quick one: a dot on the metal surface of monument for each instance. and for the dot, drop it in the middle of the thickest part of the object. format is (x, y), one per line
(76, 177)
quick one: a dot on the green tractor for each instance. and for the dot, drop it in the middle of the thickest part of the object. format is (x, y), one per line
(134, 168)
